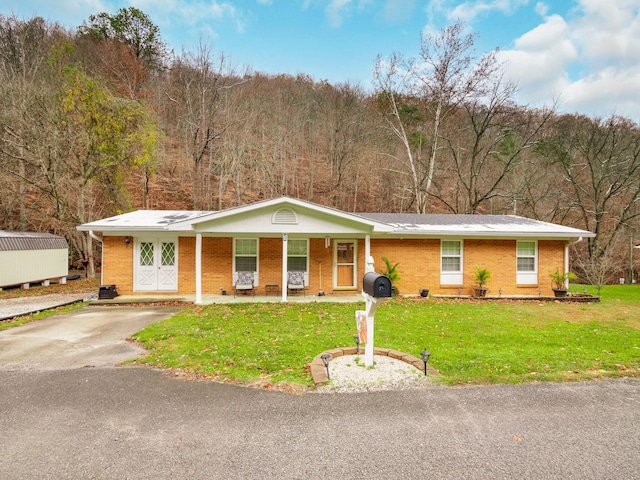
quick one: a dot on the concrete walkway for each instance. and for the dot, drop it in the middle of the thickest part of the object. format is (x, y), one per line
(223, 299)
(16, 307)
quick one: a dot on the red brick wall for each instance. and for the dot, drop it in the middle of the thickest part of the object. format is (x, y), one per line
(117, 264)
(419, 264)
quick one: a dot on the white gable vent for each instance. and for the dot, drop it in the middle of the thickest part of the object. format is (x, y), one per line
(285, 216)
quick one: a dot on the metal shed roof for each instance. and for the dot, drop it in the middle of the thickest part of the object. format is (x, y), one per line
(31, 241)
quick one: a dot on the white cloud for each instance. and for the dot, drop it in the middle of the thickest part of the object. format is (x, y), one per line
(190, 10)
(74, 12)
(590, 59)
(200, 15)
(542, 9)
(335, 11)
(398, 10)
(604, 93)
(469, 11)
(608, 32)
(539, 60)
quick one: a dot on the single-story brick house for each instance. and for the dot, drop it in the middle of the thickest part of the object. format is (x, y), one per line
(201, 252)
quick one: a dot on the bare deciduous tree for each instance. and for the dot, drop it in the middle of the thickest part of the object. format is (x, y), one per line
(599, 160)
(441, 78)
(488, 146)
(200, 83)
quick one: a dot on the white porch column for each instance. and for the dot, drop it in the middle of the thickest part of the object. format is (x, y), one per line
(198, 268)
(367, 247)
(566, 264)
(285, 251)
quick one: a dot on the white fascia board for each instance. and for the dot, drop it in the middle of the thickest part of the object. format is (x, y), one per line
(486, 235)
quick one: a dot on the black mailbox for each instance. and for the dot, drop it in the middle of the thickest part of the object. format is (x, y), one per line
(376, 285)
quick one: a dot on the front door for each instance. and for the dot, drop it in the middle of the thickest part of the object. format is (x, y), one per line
(156, 265)
(345, 267)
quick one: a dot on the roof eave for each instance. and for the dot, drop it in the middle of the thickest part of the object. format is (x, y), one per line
(119, 228)
(467, 234)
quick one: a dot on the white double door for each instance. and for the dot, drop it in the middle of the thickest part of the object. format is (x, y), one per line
(156, 262)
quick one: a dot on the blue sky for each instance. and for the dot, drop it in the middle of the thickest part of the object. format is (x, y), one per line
(586, 53)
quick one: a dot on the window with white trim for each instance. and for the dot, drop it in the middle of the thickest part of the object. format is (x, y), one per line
(451, 262)
(298, 255)
(245, 255)
(527, 262)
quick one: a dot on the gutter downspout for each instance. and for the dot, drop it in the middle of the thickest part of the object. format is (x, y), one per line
(98, 239)
(566, 257)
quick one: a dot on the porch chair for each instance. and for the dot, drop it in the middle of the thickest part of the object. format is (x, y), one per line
(244, 284)
(295, 282)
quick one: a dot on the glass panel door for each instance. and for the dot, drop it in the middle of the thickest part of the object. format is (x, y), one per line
(146, 272)
(345, 265)
(156, 267)
(168, 270)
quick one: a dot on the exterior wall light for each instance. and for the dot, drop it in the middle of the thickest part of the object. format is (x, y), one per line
(127, 240)
(425, 354)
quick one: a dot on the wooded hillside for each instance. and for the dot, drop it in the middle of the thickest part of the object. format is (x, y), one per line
(102, 119)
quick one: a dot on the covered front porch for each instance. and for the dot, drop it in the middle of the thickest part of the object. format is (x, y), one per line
(209, 299)
(269, 242)
(330, 267)
(261, 248)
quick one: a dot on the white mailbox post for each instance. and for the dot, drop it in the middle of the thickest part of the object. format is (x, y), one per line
(376, 289)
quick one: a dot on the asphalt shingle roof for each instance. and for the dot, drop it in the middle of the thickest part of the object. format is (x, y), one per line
(469, 224)
(487, 226)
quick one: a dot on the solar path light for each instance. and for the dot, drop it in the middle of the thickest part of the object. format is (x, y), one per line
(325, 359)
(425, 354)
(356, 337)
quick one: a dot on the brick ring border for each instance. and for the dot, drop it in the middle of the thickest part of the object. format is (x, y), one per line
(319, 372)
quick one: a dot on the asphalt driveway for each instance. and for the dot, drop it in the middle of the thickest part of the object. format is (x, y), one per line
(59, 420)
(94, 336)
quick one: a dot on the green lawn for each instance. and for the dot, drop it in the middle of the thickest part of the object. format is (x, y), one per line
(472, 342)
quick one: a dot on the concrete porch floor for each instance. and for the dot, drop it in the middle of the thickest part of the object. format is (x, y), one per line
(223, 299)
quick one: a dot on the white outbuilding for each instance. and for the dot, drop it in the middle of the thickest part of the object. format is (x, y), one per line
(28, 257)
